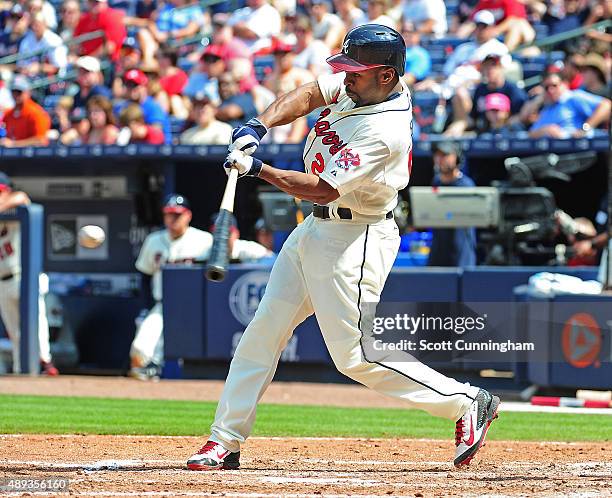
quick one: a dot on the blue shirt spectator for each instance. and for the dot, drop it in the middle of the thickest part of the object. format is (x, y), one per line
(171, 18)
(418, 60)
(568, 112)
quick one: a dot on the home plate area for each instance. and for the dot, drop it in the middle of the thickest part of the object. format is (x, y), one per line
(155, 466)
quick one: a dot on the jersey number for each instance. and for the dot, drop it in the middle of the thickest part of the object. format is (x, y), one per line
(318, 165)
(6, 250)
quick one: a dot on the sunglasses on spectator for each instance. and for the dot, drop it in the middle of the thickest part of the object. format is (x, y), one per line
(16, 91)
(551, 85)
(210, 58)
(130, 85)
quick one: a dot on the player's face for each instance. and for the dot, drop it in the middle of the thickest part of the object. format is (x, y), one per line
(177, 223)
(368, 87)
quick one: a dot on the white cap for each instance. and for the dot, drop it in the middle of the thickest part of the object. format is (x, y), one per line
(484, 17)
(89, 63)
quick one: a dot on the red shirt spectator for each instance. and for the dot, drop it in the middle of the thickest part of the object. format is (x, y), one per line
(102, 17)
(153, 136)
(173, 84)
(27, 123)
(502, 9)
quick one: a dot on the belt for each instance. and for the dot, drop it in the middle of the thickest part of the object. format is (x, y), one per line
(343, 213)
(4, 278)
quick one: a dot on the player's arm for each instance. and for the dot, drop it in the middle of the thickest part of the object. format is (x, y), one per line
(286, 109)
(13, 200)
(293, 105)
(300, 185)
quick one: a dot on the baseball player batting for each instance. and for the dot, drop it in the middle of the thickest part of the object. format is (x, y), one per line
(357, 157)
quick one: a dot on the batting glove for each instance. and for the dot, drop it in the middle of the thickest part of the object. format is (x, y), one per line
(246, 165)
(247, 137)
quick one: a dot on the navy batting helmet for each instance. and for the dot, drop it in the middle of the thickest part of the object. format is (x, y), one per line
(369, 46)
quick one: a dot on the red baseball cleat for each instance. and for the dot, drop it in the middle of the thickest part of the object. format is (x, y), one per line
(213, 456)
(471, 429)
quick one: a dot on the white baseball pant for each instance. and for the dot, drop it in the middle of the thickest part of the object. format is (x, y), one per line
(329, 268)
(148, 345)
(10, 292)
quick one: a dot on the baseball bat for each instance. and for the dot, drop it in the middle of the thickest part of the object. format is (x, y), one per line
(219, 253)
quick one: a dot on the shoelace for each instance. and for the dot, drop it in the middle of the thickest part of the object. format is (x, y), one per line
(208, 446)
(458, 431)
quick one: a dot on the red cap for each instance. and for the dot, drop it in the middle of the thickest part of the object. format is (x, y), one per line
(281, 47)
(214, 50)
(136, 76)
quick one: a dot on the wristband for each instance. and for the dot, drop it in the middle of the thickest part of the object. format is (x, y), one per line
(258, 126)
(256, 167)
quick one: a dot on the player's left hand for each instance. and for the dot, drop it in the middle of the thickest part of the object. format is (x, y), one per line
(246, 165)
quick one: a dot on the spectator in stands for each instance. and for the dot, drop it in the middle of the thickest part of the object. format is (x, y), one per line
(594, 75)
(204, 78)
(60, 120)
(242, 70)
(429, 16)
(235, 107)
(46, 9)
(284, 78)
(326, 26)
(90, 80)
(79, 128)
(175, 20)
(15, 27)
(451, 246)
(562, 16)
(256, 24)
(494, 81)
(472, 53)
(566, 113)
(350, 13)
(131, 57)
(510, 18)
(310, 53)
(377, 13)
(223, 37)
(208, 130)
(173, 80)
(70, 13)
(497, 116)
(132, 116)
(103, 129)
(6, 99)
(52, 54)
(570, 69)
(27, 123)
(101, 17)
(418, 61)
(136, 82)
(462, 15)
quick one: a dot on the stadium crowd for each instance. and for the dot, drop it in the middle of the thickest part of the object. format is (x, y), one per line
(147, 71)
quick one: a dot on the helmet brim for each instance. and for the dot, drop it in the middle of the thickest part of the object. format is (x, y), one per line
(341, 62)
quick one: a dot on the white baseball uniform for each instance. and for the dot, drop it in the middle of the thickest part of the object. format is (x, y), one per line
(10, 293)
(159, 249)
(333, 267)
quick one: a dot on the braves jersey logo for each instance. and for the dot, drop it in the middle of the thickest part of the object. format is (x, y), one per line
(347, 159)
(323, 129)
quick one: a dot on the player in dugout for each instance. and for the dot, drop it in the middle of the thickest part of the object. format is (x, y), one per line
(10, 281)
(335, 263)
(179, 243)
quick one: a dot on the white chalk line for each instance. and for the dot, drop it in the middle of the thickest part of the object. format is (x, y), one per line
(282, 438)
(193, 493)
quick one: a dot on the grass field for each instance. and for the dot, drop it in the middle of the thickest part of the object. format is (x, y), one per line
(80, 415)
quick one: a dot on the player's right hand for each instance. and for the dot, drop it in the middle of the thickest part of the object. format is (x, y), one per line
(246, 165)
(246, 138)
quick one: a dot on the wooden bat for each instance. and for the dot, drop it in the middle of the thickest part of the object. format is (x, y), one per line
(219, 253)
